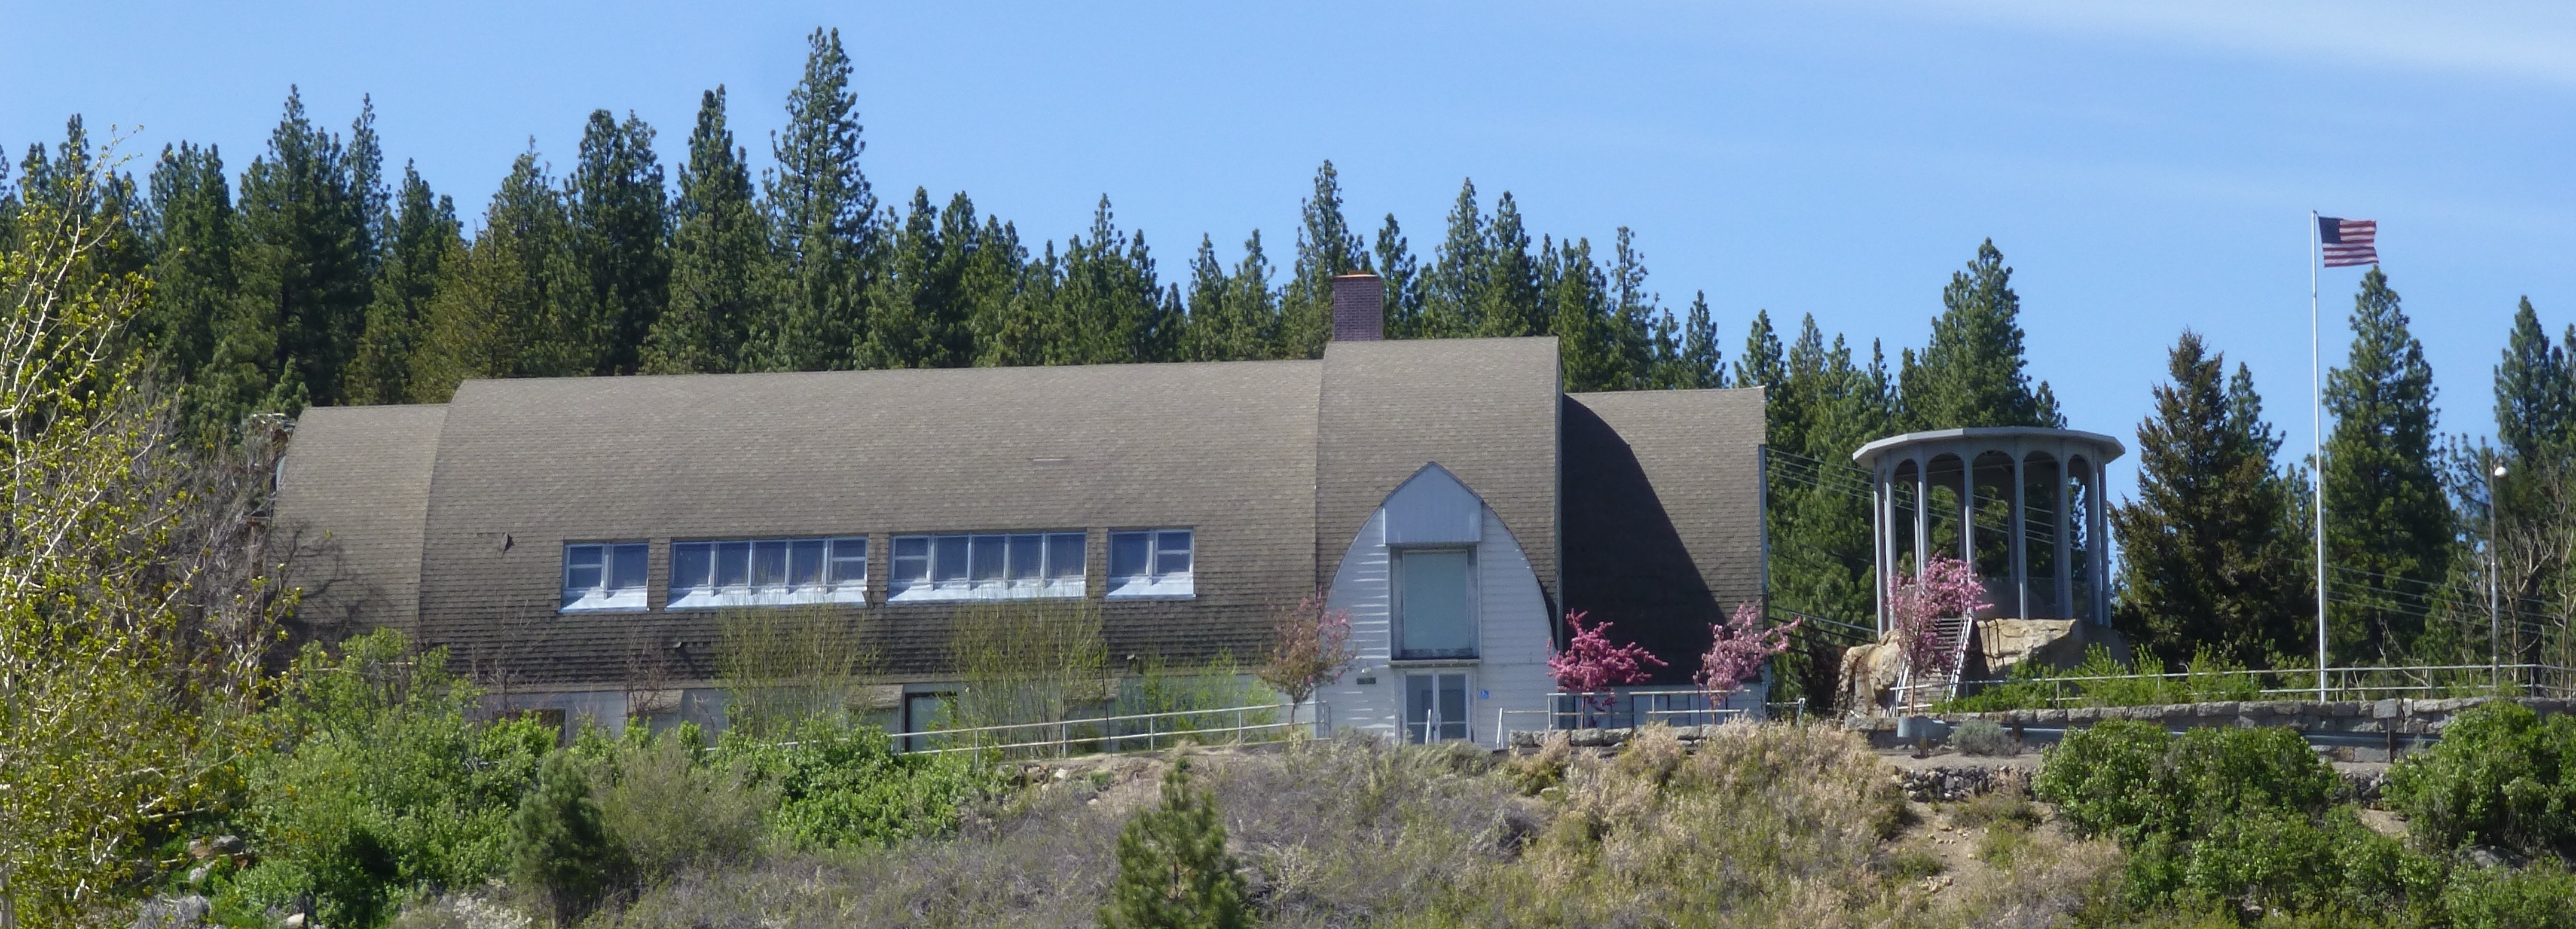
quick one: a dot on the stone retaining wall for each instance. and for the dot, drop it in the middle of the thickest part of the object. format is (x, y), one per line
(2396, 724)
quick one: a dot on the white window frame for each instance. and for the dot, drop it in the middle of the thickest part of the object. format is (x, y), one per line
(1395, 602)
(599, 596)
(832, 580)
(1156, 583)
(986, 566)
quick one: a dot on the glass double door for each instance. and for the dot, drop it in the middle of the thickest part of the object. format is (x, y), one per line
(1435, 706)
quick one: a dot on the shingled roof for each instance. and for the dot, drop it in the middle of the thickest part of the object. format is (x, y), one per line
(450, 520)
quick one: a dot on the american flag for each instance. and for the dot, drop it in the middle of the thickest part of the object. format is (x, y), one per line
(2348, 242)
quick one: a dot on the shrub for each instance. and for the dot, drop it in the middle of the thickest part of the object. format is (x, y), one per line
(560, 849)
(1173, 870)
(2539, 897)
(1979, 737)
(2218, 814)
(2500, 776)
(377, 785)
(669, 804)
(838, 784)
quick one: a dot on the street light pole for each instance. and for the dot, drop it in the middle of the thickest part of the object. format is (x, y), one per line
(2495, 564)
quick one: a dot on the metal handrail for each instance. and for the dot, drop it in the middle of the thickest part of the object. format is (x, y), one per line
(2345, 672)
(1065, 736)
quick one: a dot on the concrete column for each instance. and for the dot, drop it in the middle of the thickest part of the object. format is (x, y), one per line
(1882, 533)
(2019, 527)
(1968, 507)
(1922, 511)
(2098, 554)
(2064, 562)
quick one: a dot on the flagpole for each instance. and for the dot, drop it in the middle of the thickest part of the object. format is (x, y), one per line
(2316, 390)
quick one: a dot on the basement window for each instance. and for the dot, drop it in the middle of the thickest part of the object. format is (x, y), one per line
(768, 572)
(1153, 563)
(981, 566)
(603, 577)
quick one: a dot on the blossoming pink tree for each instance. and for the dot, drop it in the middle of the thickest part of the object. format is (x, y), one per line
(1947, 588)
(1311, 647)
(1591, 665)
(1736, 650)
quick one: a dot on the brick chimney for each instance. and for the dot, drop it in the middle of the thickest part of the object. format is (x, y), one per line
(1359, 308)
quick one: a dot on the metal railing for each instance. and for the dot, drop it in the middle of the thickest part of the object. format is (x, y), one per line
(1111, 734)
(1677, 707)
(2353, 683)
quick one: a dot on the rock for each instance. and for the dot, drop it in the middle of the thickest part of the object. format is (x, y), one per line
(228, 844)
(295, 921)
(188, 912)
(2488, 857)
(197, 875)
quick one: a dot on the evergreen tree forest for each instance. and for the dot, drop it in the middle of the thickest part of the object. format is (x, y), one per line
(315, 272)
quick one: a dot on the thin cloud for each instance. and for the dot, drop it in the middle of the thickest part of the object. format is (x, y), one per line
(2515, 41)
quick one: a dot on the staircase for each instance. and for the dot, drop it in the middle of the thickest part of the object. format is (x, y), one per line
(1941, 683)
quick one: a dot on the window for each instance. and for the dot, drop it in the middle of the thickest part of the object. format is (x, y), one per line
(1153, 563)
(768, 572)
(603, 576)
(1435, 604)
(995, 566)
(1435, 707)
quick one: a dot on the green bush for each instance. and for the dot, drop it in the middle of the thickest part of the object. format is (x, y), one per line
(560, 849)
(2539, 897)
(2215, 814)
(1979, 737)
(2499, 776)
(669, 803)
(838, 784)
(1173, 870)
(376, 785)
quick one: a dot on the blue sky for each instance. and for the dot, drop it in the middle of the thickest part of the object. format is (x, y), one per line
(2146, 167)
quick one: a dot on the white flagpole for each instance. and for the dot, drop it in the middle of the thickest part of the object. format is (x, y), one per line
(2316, 389)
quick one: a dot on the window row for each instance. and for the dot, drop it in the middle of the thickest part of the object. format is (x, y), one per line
(712, 573)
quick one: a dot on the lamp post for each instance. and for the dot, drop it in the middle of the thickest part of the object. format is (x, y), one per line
(2495, 611)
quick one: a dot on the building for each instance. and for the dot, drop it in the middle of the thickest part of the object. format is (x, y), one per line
(556, 535)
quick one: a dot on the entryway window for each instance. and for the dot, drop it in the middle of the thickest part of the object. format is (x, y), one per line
(1435, 603)
(1435, 707)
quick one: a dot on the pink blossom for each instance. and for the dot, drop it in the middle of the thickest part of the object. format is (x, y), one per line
(1591, 665)
(1947, 589)
(1737, 649)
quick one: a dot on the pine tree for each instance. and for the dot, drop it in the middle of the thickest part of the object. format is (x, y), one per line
(306, 260)
(366, 160)
(1173, 870)
(1577, 294)
(1687, 356)
(1760, 366)
(1510, 303)
(1635, 314)
(994, 270)
(2535, 388)
(1971, 373)
(1454, 286)
(618, 241)
(2211, 549)
(424, 232)
(720, 260)
(495, 313)
(1107, 307)
(915, 317)
(1326, 246)
(2388, 523)
(1233, 315)
(560, 848)
(1403, 281)
(824, 217)
(192, 260)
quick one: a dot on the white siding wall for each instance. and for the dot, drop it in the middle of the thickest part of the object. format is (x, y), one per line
(1512, 635)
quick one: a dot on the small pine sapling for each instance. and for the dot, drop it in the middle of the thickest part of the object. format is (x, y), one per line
(1590, 665)
(1173, 870)
(1736, 650)
(1310, 648)
(560, 849)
